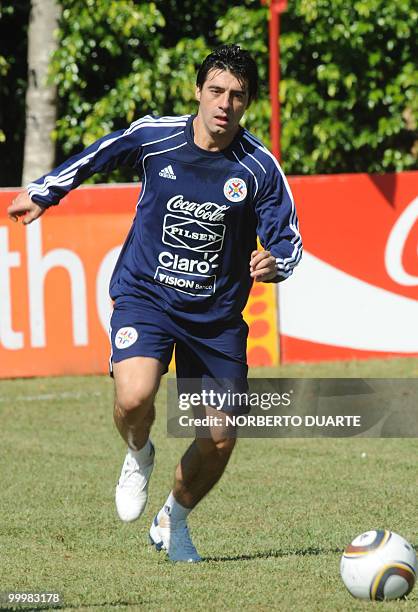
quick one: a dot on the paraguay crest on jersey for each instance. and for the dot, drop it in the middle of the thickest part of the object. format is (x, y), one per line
(235, 190)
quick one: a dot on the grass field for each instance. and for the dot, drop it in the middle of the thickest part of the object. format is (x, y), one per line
(271, 532)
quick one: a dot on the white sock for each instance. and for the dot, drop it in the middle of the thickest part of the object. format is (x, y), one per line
(174, 510)
(144, 454)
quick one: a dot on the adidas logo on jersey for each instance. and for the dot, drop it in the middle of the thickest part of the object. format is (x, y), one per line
(168, 172)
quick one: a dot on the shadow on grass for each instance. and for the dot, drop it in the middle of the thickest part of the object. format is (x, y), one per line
(276, 554)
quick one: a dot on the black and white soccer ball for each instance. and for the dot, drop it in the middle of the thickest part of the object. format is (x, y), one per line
(379, 565)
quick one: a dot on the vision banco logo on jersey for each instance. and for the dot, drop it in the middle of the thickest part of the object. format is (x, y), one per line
(235, 190)
(125, 337)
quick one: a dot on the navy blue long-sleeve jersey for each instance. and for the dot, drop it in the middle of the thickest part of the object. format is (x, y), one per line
(197, 216)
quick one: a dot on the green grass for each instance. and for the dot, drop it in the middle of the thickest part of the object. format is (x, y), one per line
(271, 532)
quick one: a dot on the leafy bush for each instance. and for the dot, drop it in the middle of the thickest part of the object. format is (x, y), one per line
(348, 88)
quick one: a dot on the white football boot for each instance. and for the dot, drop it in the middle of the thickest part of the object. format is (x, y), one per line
(132, 489)
(174, 539)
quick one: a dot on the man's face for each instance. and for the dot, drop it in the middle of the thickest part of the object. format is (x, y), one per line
(223, 101)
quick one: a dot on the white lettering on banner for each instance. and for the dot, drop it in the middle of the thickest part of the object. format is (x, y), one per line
(206, 211)
(396, 244)
(103, 301)
(38, 267)
(8, 259)
(14, 340)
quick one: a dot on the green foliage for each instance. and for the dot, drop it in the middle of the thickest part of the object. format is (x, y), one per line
(248, 28)
(103, 67)
(122, 59)
(348, 88)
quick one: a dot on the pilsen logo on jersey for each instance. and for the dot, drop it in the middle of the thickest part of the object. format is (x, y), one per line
(235, 190)
(193, 234)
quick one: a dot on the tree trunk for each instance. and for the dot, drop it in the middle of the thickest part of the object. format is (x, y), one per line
(39, 152)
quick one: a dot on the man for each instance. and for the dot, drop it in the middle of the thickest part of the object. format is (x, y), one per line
(185, 271)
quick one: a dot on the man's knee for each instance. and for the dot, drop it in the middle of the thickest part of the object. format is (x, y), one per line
(220, 447)
(134, 401)
(136, 384)
(225, 446)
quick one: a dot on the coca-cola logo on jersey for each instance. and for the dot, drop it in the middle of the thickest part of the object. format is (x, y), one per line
(205, 211)
(395, 246)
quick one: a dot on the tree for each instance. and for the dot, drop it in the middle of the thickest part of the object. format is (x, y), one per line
(14, 16)
(120, 59)
(348, 89)
(39, 152)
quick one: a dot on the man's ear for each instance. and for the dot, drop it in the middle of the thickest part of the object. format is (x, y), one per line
(197, 93)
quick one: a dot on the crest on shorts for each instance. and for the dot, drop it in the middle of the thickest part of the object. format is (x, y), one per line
(235, 190)
(125, 337)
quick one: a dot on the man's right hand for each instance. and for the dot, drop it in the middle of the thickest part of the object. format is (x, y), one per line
(23, 206)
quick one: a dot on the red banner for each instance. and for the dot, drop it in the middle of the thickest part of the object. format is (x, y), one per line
(355, 293)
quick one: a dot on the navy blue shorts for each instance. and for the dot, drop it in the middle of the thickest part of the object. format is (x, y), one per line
(139, 329)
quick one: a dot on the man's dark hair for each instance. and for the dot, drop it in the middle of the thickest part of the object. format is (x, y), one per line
(238, 61)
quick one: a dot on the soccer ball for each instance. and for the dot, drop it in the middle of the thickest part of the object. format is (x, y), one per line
(379, 565)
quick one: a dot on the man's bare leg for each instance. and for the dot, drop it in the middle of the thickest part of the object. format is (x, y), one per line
(203, 464)
(198, 471)
(136, 383)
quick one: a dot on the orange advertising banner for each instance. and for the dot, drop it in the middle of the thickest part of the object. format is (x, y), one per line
(54, 277)
(354, 294)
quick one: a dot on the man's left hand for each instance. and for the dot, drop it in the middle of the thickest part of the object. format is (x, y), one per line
(263, 266)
